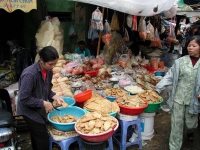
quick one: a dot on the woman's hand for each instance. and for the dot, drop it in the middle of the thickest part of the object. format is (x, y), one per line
(58, 99)
(198, 97)
(48, 106)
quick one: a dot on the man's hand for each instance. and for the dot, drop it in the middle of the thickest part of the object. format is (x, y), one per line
(198, 97)
(58, 99)
(48, 106)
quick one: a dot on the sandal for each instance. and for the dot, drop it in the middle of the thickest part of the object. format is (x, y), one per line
(190, 136)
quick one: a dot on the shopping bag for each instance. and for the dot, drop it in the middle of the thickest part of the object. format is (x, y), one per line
(156, 42)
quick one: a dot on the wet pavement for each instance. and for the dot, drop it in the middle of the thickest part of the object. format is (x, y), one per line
(158, 142)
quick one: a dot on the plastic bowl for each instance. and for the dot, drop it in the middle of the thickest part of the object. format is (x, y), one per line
(70, 110)
(112, 99)
(69, 100)
(83, 96)
(132, 110)
(153, 107)
(98, 137)
(92, 73)
(165, 108)
(159, 73)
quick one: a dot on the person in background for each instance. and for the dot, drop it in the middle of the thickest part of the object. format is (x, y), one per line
(183, 100)
(34, 95)
(82, 50)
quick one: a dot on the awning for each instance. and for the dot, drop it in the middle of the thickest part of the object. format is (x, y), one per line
(12, 5)
(134, 7)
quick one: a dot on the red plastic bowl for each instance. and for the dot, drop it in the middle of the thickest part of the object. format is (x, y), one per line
(132, 110)
(98, 137)
(83, 96)
(92, 73)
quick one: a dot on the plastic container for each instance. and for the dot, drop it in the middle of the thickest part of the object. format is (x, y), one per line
(159, 73)
(93, 146)
(132, 110)
(70, 110)
(83, 96)
(110, 98)
(147, 124)
(70, 101)
(98, 137)
(153, 107)
(92, 73)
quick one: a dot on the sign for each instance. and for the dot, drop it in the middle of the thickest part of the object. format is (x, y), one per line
(12, 5)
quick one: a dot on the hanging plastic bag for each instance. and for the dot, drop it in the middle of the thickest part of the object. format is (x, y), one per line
(92, 34)
(129, 21)
(114, 25)
(106, 33)
(126, 36)
(134, 24)
(97, 20)
(143, 32)
(156, 42)
(171, 37)
(140, 24)
(150, 32)
(72, 32)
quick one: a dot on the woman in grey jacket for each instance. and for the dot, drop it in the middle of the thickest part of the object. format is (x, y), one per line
(184, 77)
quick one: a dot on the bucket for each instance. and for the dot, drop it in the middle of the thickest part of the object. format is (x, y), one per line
(147, 124)
(93, 146)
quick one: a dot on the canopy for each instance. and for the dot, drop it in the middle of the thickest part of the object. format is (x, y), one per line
(134, 7)
(12, 5)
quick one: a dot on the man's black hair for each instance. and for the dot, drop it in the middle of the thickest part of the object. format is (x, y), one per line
(81, 43)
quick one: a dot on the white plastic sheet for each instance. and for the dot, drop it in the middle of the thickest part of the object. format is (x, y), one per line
(134, 7)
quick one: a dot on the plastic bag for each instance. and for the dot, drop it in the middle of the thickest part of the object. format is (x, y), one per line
(100, 59)
(114, 25)
(126, 36)
(134, 24)
(156, 42)
(77, 70)
(70, 66)
(106, 33)
(93, 60)
(97, 20)
(171, 37)
(122, 61)
(129, 21)
(72, 32)
(143, 32)
(150, 32)
(92, 34)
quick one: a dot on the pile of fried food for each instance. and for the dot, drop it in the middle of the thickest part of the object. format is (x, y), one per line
(55, 104)
(95, 123)
(115, 92)
(131, 101)
(133, 89)
(64, 119)
(100, 104)
(150, 96)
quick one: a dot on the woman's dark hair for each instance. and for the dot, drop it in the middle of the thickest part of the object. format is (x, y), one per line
(48, 53)
(196, 38)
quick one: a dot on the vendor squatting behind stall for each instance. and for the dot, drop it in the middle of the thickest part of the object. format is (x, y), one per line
(34, 92)
(184, 77)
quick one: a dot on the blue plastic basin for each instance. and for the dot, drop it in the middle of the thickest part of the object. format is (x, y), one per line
(70, 110)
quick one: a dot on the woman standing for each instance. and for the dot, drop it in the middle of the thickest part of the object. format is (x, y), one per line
(34, 92)
(183, 101)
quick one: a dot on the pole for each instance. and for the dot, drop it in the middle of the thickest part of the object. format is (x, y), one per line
(100, 35)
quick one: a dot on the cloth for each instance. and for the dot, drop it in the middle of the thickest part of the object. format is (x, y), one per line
(179, 117)
(171, 79)
(187, 74)
(85, 52)
(194, 60)
(33, 90)
(44, 74)
(39, 135)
